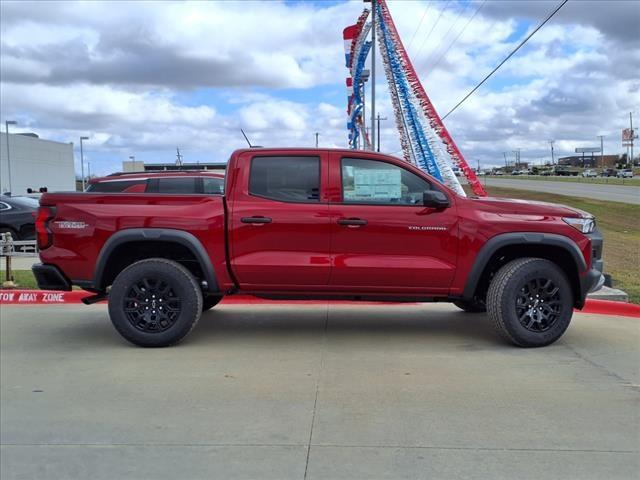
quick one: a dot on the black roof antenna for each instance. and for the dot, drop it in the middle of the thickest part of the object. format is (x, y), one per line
(247, 139)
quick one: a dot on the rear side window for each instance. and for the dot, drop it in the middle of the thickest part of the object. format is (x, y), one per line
(212, 186)
(116, 186)
(287, 179)
(177, 185)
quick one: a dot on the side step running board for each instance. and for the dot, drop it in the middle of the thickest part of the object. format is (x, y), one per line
(90, 300)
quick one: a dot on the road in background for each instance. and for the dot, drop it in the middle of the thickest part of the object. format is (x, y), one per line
(316, 392)
(612, 193)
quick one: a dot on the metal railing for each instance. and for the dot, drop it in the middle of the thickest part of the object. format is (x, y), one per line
(10, 248)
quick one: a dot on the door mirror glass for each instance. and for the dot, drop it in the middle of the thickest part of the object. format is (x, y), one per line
(435, 199)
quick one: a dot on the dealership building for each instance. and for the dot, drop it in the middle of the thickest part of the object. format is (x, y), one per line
(32, 162)
(130, 166)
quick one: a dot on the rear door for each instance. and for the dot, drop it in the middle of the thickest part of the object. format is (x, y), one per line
(279, 222)
(383, 238)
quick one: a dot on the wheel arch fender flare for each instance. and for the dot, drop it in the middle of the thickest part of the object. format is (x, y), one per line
(181, 237)
(518, 238)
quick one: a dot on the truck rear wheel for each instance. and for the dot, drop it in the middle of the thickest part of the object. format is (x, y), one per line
(530, 302)
(155, 302)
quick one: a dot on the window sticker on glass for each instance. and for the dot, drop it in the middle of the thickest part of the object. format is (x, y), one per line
(375, 184)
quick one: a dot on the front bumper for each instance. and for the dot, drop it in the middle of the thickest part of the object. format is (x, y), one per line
(593, 279)
(49, 277)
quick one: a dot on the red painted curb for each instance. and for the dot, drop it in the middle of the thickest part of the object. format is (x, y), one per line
(44, 297)
(608, 307)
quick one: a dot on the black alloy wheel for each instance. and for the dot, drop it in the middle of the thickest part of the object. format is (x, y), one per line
(151, 305)
(539, 304)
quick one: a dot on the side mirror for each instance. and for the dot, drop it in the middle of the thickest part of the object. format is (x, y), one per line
(435, 199)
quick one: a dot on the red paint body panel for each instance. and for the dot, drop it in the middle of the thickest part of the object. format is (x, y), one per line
(402, 250)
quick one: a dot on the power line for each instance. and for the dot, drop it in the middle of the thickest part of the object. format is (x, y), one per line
(507, 58)
(426, 10)
(455, 40)
(432, 28)
(453, 24)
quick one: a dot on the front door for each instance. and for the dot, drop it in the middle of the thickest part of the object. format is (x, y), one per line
(279, 223)
(383, 238)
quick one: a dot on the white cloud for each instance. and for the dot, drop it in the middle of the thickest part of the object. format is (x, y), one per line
(133, 76)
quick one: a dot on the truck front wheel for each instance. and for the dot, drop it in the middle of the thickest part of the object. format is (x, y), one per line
(155, 302)
(530, 302)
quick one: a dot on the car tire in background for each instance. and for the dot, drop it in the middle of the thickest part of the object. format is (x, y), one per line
(155, 302)
(13, 233)
(530, 302)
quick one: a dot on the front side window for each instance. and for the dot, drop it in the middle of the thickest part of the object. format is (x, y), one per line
(287, 179)
(371, 181)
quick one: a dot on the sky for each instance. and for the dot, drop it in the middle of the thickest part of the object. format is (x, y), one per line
(142, 78)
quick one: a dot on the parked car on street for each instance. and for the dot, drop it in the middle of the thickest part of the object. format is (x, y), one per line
(626, 173)
(609, 172)
(565, 171)
(589, 174)
(17, 216)
(180, 181)
(317, 223)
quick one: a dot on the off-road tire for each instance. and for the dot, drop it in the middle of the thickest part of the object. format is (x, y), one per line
(471, 306)
(210, 301)
(511, 284)
(183, 292)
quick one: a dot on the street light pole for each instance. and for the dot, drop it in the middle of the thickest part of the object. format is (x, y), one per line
(82, 160)
(551, 142)
(378, 118)
(373, 75)
(601, 137)
(6, 127)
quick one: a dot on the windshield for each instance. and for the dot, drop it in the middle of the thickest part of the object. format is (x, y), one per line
(26, 202)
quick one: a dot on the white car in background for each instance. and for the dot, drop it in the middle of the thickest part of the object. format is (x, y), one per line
(626, 173)
(589, 174)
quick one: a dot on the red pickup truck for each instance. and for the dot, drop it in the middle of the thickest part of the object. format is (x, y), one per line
(325, 224)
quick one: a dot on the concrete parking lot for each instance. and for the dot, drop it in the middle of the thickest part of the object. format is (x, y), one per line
(317, 392)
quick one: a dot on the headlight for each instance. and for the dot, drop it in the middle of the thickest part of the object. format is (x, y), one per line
(585, 225)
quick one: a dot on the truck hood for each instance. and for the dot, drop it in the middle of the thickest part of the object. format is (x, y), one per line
(527, 207)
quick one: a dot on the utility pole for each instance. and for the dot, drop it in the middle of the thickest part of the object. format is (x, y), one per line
(553, 161)
(378, 118)
(178, 157)
(317, 133)
(601, 137)
(632, 137)
(506, 162)
(82, 161)
(373, 74)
